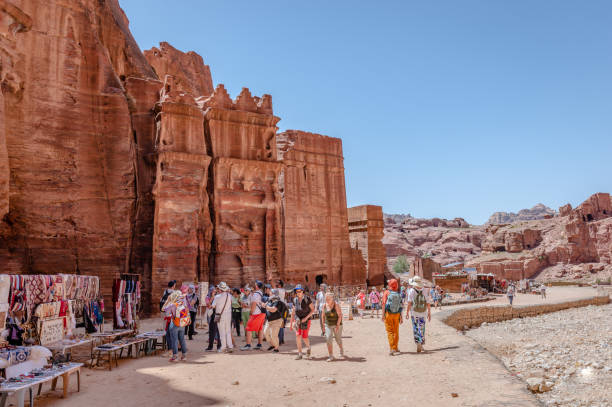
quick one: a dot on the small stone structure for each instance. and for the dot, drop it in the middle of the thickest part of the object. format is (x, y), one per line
(366, 227)
(474, 316)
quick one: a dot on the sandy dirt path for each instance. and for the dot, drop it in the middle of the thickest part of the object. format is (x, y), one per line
(454, 363)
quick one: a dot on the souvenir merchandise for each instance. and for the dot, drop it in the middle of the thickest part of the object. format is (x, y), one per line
(13, 355)
(126, 301)
(72, 299)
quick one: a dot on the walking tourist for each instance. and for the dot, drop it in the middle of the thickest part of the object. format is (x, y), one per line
(375, 302)
(438, 299)
(392, 315)
(177, 309)
(510, 293)
(332, 316)
(418, 307)
(256, 319)
(222, 305)
(543, 291)
(193, 301)
(245, 301)
(360, 301)
(320, 303)
(162, 302)
(236, 310)
(275, 309)
(213, 331)
(303, 309)
(280, 286)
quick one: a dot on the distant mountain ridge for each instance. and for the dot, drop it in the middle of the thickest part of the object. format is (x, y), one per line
(539, 211)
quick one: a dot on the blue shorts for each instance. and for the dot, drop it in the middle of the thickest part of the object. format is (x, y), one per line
(376, 305)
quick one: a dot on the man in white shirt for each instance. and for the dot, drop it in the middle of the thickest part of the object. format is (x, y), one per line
(320, 300)
(418, 307)
(222, 304)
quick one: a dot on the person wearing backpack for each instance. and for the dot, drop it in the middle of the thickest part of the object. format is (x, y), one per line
(332, 317)
(303, 310)
(177, 309)
(162, 302)
(275, 309)
(392, 315)
(418, 307)
(256, 319)
(222, 306)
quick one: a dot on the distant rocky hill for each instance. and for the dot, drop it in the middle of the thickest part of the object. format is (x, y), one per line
(574, 245)
(539, 211)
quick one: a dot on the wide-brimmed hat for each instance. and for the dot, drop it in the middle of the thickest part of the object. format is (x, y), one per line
(417, 282)
(247, 288)
(298, 287)
(222, 286)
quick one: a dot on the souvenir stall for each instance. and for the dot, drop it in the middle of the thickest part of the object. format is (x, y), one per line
(45, 310)
(126, 302)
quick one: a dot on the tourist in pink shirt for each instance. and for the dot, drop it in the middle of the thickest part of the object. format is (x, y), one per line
(375, 302)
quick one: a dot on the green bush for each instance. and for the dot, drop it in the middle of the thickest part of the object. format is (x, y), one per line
(401, 265)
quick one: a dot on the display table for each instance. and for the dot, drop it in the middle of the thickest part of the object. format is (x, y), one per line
(107, 352)
(65, 346)
(155, 341)
(27, 384)
(111, 336)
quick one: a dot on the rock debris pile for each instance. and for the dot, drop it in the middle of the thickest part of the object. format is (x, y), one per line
(565, 357)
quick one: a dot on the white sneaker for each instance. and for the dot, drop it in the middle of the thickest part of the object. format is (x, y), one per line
(330, 359)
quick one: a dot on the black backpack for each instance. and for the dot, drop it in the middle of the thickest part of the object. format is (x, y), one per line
(163, 299)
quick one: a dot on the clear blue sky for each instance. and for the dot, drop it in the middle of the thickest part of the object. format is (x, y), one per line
(446, 108)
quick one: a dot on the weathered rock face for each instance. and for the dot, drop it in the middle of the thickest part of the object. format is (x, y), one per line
(111, 162)
(576, 244)
(510, 239)
(366, 229)
(445, 241)
(247, 202)
(314, 207)
(190, 73)
(68, 137)
(182, 227)
(537, 212)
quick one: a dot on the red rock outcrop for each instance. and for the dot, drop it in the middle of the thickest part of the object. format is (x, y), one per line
(576, 244)
(190, 73)
(366, 229)
(68, 137)
(314, 208)
(182, 226)
(113, 162)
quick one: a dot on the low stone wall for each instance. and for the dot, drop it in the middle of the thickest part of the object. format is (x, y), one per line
(474, 316)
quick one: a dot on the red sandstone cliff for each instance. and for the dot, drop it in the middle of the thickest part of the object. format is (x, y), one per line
(115, 161)
(67, 131)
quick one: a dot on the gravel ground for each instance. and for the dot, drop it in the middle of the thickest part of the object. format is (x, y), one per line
(569, 352)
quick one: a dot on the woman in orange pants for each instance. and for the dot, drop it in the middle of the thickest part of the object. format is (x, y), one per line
(392, 315)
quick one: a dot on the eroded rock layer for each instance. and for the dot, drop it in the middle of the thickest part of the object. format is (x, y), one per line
(575, 245)
(114, 161)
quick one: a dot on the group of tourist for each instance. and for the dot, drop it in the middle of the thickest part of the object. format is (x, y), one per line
(263, 312)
